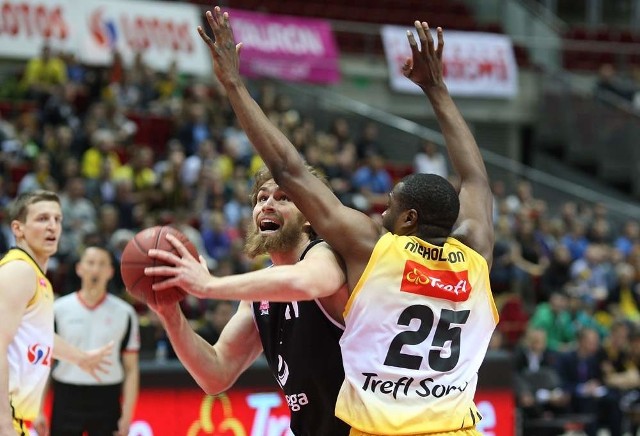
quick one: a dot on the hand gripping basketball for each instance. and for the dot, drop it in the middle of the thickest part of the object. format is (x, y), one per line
(135, 259)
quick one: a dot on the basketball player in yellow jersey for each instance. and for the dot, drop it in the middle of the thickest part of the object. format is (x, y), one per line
(27, 340)
(420, 313)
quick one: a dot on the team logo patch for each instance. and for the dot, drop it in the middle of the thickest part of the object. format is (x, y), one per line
(39, 354)
(448, 285)
(264, 308)
(283, 371)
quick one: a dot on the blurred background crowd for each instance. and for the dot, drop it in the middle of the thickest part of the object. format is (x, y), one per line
(128, 147)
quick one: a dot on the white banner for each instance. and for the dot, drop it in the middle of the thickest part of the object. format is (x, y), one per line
(164, 32)
(26, 24)
(475, 64)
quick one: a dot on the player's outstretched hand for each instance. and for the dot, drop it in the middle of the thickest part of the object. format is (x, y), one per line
(96, 361)
(224, 50)
(424, 67)
(184, 271)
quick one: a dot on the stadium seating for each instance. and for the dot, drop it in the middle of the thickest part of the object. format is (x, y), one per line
(586, 49)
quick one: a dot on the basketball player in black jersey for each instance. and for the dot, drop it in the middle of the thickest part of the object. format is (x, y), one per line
(299, 338)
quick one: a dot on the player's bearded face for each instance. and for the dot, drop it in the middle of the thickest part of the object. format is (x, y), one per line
(284, 239)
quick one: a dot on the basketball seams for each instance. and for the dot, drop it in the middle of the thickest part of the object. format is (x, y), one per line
(159, 233)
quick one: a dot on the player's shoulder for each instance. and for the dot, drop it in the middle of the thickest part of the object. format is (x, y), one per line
(318, 244)
(319, 248)
(17, 272)
(18, 263)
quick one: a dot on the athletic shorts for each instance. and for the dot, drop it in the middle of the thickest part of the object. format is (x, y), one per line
(85, 408)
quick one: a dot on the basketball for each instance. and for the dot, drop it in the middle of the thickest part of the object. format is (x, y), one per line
(134, 260)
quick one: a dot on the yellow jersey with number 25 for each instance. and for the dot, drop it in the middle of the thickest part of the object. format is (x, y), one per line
(418, 324)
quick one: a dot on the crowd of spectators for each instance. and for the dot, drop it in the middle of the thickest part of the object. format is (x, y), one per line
(568, 291)
(566, 283)
(127, 147)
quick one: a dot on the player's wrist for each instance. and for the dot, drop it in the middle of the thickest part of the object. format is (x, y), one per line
(211, 288)
(166, 311)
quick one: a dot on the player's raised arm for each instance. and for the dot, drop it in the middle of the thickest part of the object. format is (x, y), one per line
(343, 228)
(476, 200)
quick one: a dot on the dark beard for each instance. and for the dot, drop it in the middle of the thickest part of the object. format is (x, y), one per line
(286, 239)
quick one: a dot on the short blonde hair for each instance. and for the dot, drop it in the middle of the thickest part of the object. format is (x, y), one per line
(20, 206)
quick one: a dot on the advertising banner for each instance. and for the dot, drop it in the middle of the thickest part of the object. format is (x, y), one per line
(92, 29)
(287, 48)
(475, 64)
(163, 31)
(26, 24)
(247, 412)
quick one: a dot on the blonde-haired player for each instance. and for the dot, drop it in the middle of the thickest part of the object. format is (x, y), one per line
(27, 340)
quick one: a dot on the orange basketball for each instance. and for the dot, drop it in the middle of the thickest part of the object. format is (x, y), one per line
(135, 259)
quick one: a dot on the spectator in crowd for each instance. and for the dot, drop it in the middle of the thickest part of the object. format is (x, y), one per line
(430, 160)
(522, 200)
(195, 128)
(216, 317)
(62, 148)
(341, 132)
(103, 147)
(583, 314)
(537, 381)
(582, 379)
(630, 402)
(611, 84)
(59, 108)
(373, 181)
(235, 208)
(79, 218)
(553, 318)
(42, 73)
(576, 239)
(205, 156)
(234, 134)
(599, 231)
(557, 275)
(39, 177)
(368, 143)
(629, 238)
(623, 302)
(615, 362)
(216, 235)
(591, 275)
(144, 181)
(532, 259)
